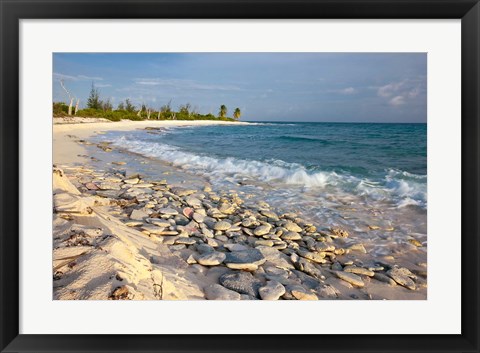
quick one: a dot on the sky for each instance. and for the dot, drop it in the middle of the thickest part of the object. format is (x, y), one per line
(324, 87)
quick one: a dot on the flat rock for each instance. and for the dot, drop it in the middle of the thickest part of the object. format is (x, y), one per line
(181, 220)
(313, 256)
(198, 217)
(226, 208)
(321, 246)
(131, 181)
(339, 232)
(218, 292)
(235, 247)
(358, 247)
(269, 214)
(291, 236)
(109, 193)
(350, 278)
(204, 249)
(158, 222)
(193, 202)
(153, 229)
(272, 291)
(168, 211)
(109, 186)
(415, 242)
(133, 223)
(245, 259)
(213, 242)
(301, 293)
(207, 232)
(211, 259)
(248, 223)
(402, 277)
(222, 225)
(168, 232)
(309, 268)
(91, 186)
(188, 212)
(264, 242)
(327, 291)
(275, 257)
(262, 230)
(183, 192)
(384, 278)
(138, 215)
(359, 271)
(241, 282)
(185, 241)
(292, 227)
(143, 185)
(191, 260)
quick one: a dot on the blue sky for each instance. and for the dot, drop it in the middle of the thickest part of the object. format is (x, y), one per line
(338, 87)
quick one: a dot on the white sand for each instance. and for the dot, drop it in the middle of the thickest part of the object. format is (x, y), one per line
(65, 149)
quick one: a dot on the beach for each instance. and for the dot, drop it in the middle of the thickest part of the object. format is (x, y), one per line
(155, 226)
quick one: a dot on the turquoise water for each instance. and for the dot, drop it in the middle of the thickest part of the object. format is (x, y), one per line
(354, 176)
(365, 150)
(377, 162)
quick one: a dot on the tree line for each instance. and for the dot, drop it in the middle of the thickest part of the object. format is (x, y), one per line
(96, 107)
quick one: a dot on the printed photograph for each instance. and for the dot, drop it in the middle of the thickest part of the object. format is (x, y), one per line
(239, 176)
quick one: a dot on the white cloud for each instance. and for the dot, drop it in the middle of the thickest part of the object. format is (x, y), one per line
(397, 100)
(390, 89)
(400, 93)
(60, 76)
(101, 85)
(346, 91)
(89, 78)
(184, 84)
(148, 83)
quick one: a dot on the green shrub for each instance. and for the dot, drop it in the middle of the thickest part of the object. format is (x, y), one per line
(60, 109)
(117, 115)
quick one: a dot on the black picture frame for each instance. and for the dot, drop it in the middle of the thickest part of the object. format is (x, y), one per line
(12, 11)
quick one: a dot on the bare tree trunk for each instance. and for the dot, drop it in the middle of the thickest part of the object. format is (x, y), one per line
(158, 117)
(148, 113)
(139, 114)
(70, 107)
(76, 106)
(69, 96)
(174, 116)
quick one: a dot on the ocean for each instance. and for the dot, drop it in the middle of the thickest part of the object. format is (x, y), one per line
(355, 175)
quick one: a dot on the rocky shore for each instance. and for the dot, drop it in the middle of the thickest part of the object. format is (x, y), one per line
(119, 236)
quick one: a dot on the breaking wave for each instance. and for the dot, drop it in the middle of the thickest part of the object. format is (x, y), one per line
(288, 173)
(401, 187)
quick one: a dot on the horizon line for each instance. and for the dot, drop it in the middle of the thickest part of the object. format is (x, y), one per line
(332, 122)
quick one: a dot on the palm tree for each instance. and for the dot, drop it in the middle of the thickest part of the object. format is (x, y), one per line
(223, 111)
(237, 113)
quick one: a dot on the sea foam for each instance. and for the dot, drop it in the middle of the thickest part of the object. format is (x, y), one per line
(398, 186)
(279, 171)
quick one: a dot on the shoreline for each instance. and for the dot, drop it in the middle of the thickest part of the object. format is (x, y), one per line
(66, 150)
(121, 237)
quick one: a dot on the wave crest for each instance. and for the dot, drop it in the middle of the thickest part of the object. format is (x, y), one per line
(398, 186)
(279, 171)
